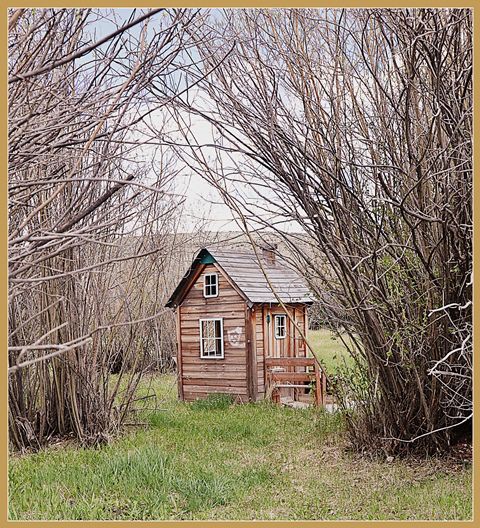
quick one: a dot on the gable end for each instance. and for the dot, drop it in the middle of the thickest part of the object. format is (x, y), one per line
(203, 258)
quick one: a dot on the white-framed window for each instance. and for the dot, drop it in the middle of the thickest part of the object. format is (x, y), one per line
(210, 285)
(211, 338)
(280, 326)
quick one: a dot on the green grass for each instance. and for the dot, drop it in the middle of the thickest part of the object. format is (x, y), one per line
(329, 349)
(214, 460)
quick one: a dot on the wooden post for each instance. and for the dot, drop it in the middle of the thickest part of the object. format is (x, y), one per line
(265, 348)
(276, 395)
(179, 356)
(305, 329)
(324, 388)
(318, 386)
(252, 376)
(253, 349)
(268, 381)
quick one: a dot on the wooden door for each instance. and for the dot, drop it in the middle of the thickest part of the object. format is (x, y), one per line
(283, 339)
(278, 332)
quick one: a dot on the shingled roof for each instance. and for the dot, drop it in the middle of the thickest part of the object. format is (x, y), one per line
(242, 268)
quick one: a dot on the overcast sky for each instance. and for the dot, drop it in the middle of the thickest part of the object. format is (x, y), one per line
(203, 205)
(202, 202)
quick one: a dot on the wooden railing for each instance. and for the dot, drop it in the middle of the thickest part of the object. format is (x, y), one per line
(295, 380)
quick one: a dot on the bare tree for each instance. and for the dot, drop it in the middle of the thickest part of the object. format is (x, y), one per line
(91, 218)
(355, 127)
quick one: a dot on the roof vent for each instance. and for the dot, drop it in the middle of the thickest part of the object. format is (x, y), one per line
(268, 253)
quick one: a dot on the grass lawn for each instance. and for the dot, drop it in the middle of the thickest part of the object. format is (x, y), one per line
(212, 460)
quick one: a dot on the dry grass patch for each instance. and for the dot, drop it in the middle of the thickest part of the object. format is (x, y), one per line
(223, 461)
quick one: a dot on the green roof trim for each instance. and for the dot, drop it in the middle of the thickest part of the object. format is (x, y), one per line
(207, 258)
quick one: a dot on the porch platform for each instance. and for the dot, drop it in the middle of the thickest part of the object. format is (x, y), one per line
(304, 402)
(295, 374)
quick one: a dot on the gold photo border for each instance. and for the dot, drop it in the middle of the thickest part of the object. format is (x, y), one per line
(473, 4)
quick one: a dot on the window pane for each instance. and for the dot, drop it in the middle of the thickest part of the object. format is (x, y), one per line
(280, 326)
(212, 338)
(208, 346)
(211, 285)
(208, 329)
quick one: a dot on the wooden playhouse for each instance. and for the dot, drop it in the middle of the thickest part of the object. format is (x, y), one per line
(235, 337)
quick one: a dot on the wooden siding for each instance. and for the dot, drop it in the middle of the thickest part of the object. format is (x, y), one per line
(199, 377)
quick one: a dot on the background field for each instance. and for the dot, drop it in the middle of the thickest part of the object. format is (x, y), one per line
(329, 349)
(213, 460)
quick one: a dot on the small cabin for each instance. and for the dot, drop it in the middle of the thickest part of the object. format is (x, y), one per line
(234, 336)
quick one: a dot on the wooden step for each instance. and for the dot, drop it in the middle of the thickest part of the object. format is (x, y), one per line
(292, 376)
(290, 362)
(289, 386)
